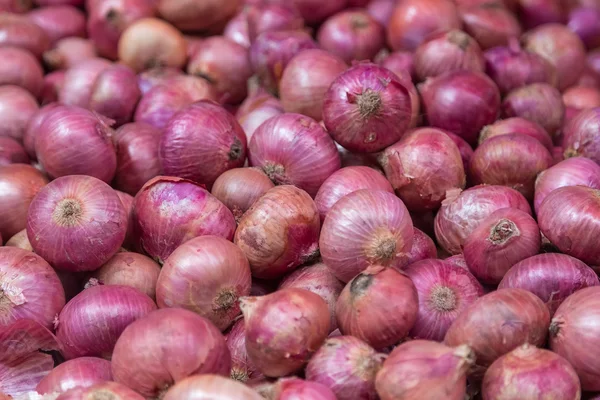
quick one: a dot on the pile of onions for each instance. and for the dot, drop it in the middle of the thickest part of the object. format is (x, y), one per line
(579, 98)
(368, 107)
(169, 211)
(242, 368)
(366, 227)
(293, 149)
(585, 22)
(79, 82)
(444, 291)
(17, 107)
(115, 94)
(19, 31)
(80, 372)
(306, 79)
(422, 185)
(111, 389)
(581, 137)
(421, 369)
(11, 152)
(76, 223)
(271, 16)
(21, 69)
(210, 386)
(517, 125)
(284, 329)
(59, 21)
(68, 52)
(256, 109)
(568, 218)
(167, 340)
(279, 232)
(491, 24)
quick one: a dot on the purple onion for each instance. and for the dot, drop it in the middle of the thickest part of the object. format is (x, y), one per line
(155, 76)
(582, 135)
(17, 107)
(115, 94)
(256, 109)
(585, 22)
(79, 82)
(11, 152)
(80, 372)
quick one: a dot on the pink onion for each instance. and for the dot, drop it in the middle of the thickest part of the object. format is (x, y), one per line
(314, 11)
(53, 83)
(210, 387)
(20, 240)
(80, 372)
(538, 12)
(15, 6)
(59, 21)
(381, 233)
(465, 149)
(422, 186)
(400, 62)
(127, 201)
(284, 329)
(115, 94)
(236, 30)
(256, 109)
(381, 10)
(585, 22)
(306, 79)
(423, 247)
(581, 135)
(242, 368)
(79, 81)
(491, 24)
(271, 16)
(68, 52)
(517, 125)
(11, 152)
(197, 16)
(155, 76)
(18, 31)
(111, 389)
(295, 388)
(19, 67)
(17, 106)
(578, 98)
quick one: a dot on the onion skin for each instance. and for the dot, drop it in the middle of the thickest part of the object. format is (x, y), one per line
(306, 79)
(256, 109)
(79, 82)
(565, 214)
(491, 24)
(19, 31)
(59, 21)
(381, 233)
(197, 16)
(112, 389)
(11, 152)
(499, 322)
(517, 125)
(80, 372)
(399, 62)
(115, 94)
(295, 388)
(201, 142)
(579, 98)
(421, 184)
(581, 136)
(68, 52)
(155, 351)
(21, 68)
(210, 387)
(457, 261)
(178, 210)
(242, 368)
(236, 30)
(422, 369)
(423, 247)
(584, 21)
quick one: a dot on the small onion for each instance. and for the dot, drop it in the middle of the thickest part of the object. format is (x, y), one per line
(20, 240)
(295, 388)
(582, 135)
(579, 98)
(53, 83)
(585, 22)
(399, 62)
(256, 109)
(11, 152)
(111, 390)
(169, 211)
(79, 81)
(284, 329)
(197, 16)
(517, 125)
(152, 77)
(19, 31)
(236, 30)
(115, 94)
(366, 227)
(491, 24)
(210, 387)
(166, 346)
(17, 107)
(19, 67)
(271, 16)
(80, 372)
(242, 368)
(76, 223)
(423, 247)
(68, 52)
(59, 21)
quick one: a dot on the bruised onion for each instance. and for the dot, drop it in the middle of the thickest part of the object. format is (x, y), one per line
(11, 152)
(20, 68)
(578, 98)
(20, 240)
(490, 24)
(256, 109)
(19, 31)
(17, 107)
(585, 22)
(79, 82)
(209, 386)
(581, 135)
(115, 94)
(59, 21)
(80, 372)
(113, 390)
(242, 368)
(197, 16)
(68, 52)
(517, 125)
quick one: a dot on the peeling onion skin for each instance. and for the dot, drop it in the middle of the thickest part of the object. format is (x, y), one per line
(112, 389)
(22, 69)
(423, 247)
(422, 166)
(284, 329)
(582, 137)
(17, 107)
(529, 372)
(422, 369)
(242, 368)
(153, 352)
(366, 227)
(517, 125)
(200, 387)
(491, 24)
(80, 372)
(457, 261)
(497, 323)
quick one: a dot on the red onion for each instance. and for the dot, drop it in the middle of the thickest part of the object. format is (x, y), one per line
(166, 346)
(20, 183)
(80, 372)
(159, 104)
(53, 83)
(242, 368)
(585, 22)
(68, 52)
(295, 388)
(294, 149)
(20, 240)
(352, 35)
(271, 16)
(581, 135)
(593, 61)
(19, 67)
(197, 16)
(169, 211)
(578, 98)
(19, 31)
(30, 288)
(79, 81)
(423, 186)
(15, 6)
(201, 142)
(111, 389)
(346, 181)
(381, 233)
(211, 387)
(461, 102)
(589, 78)
(519, 126)
(381, 10)
(465, 149)
(447, 51)
(256, 109)
(306, 79)
(155, 76)
(314, 11)
(236, 30)
(533, 13)
(490, 24)
(115, 94)
(570, 172)
(11, 152)
(127, 201)
(420, 369)
(33, 126)
(457, 261)
(284, 329)
(17, 106)
(561, 47)
(59, 21)
(423, 247)
(400, 62)
(76, 223)
(568, 218)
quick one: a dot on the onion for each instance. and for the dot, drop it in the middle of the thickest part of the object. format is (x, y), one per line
(201, 142)
(399, 62)
(29, 288)
(381, 10)
(314, 11)
(271, 16)
(352, 35)
(447, 51)
(366, 227)
(169, 211)
(589, 78)
(59, 21)
(236, 30)
(490, 24)
(53, 83)
(166, 346)
(210, 387)
(19, 67)
(58, 2)
(423, 186)
(517, 125)
(76, 223)
(197, 15)
(127, 201)
(19, 183)
(568, 218)
(225, 64)
(130, 269)
(68, 52)
(256, 109)
(284, 329)
(465, 149)
(79, 81)
(15, 6)
(423, 247)
(578, 98)
(346, 181)
(561, 47)
(11, 152)
(581, 135)
(17, 106)
(461, 102)
(111, 389)
(306, 79)
(115, 94)
(20, 240)
(150, 42)
(499, 322)
(527, 370)
(295, 388)
(242, 368)
(80, 372)
(294, 149)
(457, 261)
(155, 76)
(585, 22)
(538, 12)
(19, 31)
(593, 61)
(570, 172)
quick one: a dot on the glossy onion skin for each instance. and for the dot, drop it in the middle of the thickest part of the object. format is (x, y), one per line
(80, 372)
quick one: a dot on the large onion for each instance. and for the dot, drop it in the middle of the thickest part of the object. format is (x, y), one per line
(21, 68)
(115, 94)
(490, 23)
(210, 387)
(581, 137)
(19, 31)
(80, 372)
(59, 21)
(197, 15)
(79, 81)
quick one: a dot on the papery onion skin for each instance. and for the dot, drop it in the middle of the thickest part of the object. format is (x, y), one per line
(491, 24)
(18, 31)
(68, 52)
(80, 372)
(76, 223)
(569, 213)
(242, 368)
(115, 94)
(581, 137)
(585, 22)
(152, 77)
(30, 288)
(79, 81)
(366, 227)
(155, 351)
(256, 109)
(210, 387)
(59, 21)
(197, 16)
(180, 207)
(21, 68)
(391, 299)
(284, 329)
(421, 184)
(112, 389)
(11, 152)
(457, 261)
(17, 106)
(423, 247)
(517, 125)
(306, 79)
(20, 240)
(579, 98)
(423, 369)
